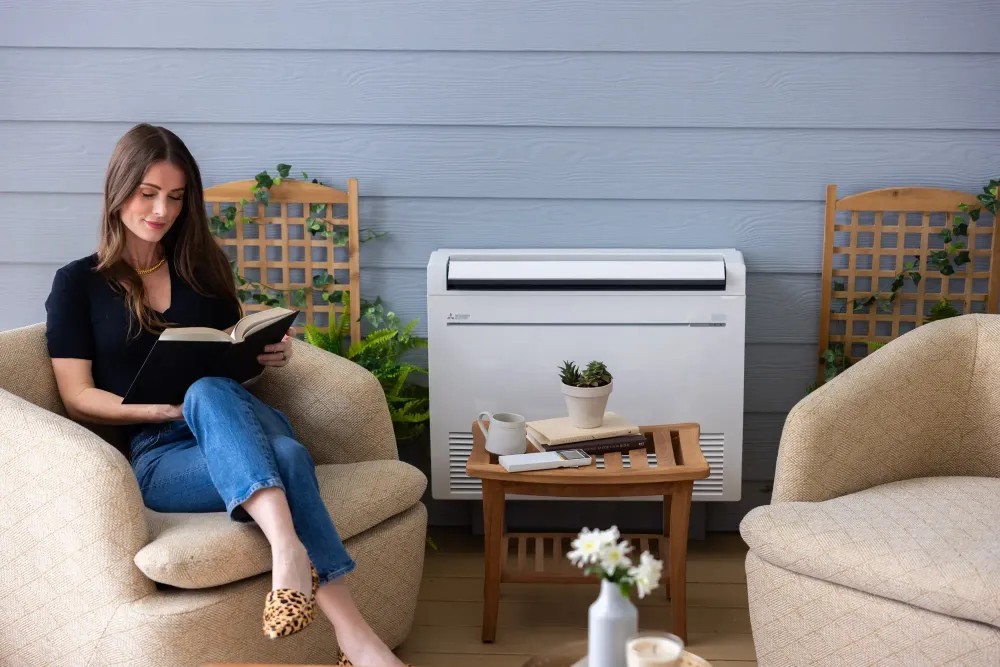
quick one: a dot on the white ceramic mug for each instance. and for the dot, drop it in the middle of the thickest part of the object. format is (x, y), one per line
(507, 433)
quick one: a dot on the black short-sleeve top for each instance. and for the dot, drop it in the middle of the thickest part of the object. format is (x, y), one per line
(88, 319)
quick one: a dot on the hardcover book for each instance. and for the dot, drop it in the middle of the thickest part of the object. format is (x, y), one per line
(183, 355)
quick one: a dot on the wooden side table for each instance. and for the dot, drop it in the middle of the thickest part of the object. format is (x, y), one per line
(667, 467)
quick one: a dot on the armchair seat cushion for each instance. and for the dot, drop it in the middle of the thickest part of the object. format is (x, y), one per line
(930, 542)
(202, 550)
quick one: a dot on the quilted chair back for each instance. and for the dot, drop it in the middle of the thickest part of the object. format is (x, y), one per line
(25, 367)
(26, 372)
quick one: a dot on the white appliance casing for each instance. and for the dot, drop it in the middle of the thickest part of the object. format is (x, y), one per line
(676, 352)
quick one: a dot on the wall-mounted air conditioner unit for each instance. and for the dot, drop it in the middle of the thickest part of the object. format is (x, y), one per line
(670, 325)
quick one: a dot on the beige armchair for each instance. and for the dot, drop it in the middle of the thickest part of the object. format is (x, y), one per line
(882, 542)
(89, 576)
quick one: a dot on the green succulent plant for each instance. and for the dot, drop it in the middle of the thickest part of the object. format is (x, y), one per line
(595, 374)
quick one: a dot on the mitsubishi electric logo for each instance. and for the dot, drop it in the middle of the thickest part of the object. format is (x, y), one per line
(452, 317)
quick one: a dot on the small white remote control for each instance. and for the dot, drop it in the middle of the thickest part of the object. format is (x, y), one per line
(569, 458)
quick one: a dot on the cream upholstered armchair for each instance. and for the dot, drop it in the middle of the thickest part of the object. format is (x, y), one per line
(88, 575)
(882, 542)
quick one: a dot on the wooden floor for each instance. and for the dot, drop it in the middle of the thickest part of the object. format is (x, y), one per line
(536, 617)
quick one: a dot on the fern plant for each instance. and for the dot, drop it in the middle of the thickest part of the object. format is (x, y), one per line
(381, 351)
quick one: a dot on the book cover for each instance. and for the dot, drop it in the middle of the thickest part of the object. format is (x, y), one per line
(559, 430)
(183, 355)
(617, 443)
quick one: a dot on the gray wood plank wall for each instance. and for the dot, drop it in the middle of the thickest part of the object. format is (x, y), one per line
(522, 123)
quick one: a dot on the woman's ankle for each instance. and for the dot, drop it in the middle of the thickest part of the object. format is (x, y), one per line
(290, 567)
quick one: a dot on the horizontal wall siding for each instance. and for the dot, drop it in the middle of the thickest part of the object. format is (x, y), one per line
(529, 162)
(774, 236)
(827, 26)
(783, 90)
(472, 123)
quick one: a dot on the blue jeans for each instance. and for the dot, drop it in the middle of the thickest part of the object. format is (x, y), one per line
(229, 445)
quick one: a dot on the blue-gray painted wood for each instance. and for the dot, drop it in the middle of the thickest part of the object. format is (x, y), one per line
(530, 162)
(507, 89)
(775, 236)
(826, 26)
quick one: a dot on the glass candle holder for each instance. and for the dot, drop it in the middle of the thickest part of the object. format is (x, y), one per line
(654, 649)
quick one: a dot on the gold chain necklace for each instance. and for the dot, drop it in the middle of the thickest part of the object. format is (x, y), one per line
(143, 272)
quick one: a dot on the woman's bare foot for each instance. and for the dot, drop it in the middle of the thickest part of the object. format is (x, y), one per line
(365, 649)
(357, 640)
(290, 568)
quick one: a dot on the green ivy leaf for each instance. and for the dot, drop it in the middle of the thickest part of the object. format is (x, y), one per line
(264, 180)
(315, 225)
(283, 169)
(962, 229)
(945, 235)
(962, 258)
(322, 279)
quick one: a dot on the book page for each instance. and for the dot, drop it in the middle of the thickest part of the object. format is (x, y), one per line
(195, 334)
(258, 320)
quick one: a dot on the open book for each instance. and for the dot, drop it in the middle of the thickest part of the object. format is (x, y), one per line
(183, 355)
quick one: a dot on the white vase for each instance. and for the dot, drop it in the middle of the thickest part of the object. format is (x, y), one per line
(586, 405)
(611, 621)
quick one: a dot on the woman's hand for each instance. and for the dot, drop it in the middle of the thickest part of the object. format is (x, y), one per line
(166, 413)
(278, 354)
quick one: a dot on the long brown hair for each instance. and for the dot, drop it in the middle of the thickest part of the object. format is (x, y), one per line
(189, 244)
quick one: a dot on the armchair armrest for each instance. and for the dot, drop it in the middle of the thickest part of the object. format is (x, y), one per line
(337, 408)
(927, 404)
(73, 518)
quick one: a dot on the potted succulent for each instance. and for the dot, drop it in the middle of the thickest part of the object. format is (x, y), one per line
(586, 392)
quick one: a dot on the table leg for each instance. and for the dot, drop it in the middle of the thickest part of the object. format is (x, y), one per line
(493, 519)
(664, 548)
(680, 518)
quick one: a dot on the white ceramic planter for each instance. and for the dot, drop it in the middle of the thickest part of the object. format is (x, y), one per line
(612, 619)
(586, 405)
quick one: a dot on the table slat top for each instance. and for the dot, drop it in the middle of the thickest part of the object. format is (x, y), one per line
(678, 458)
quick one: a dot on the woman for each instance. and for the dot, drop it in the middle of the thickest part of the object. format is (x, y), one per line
(157, 265)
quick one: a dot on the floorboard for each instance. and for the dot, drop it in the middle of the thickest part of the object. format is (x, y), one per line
(536, 617)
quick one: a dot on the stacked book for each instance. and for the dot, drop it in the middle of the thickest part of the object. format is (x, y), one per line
(615, 434)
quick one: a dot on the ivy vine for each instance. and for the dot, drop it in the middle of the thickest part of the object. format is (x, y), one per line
(954, 254)
(255, 291)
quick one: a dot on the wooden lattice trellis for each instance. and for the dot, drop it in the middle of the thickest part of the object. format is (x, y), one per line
(279, 251)
(869, 238)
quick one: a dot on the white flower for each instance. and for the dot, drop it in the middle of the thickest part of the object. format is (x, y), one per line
(647, 574)
(614, 556)
(587, 547)
(610, 536)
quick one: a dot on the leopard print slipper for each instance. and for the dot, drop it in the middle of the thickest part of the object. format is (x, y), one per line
(287, 611)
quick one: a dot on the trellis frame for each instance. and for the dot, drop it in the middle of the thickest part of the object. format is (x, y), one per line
(903, 203)
(304, 193)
